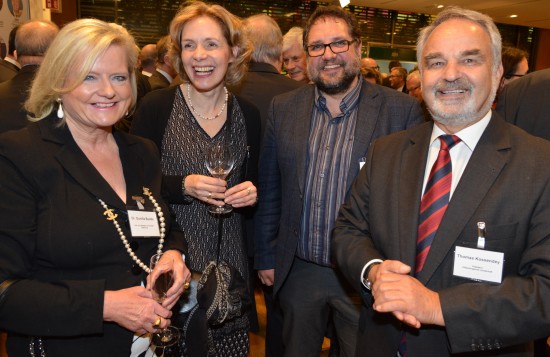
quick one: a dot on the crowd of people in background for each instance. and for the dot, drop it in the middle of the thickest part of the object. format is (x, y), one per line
(358, 195)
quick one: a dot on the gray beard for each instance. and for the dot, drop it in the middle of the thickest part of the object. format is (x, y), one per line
(468, 115)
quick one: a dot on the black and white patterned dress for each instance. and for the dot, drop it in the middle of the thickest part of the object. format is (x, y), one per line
(183, 150)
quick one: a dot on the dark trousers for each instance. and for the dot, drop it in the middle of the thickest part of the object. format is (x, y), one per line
(274, 328)
(309, 296)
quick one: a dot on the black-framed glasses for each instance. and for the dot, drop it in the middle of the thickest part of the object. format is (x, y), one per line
(336, 47)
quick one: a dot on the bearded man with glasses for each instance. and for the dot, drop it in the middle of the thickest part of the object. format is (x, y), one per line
(315, 142)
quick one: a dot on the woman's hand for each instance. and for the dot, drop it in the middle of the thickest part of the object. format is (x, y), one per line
(242, 195)
(180, 275)
(205, 188)
(135, 309)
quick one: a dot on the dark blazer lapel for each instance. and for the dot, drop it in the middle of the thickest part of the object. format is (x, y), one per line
(73, 160)
(487, 161)
(132, 165)
(302, 119)
(412, 168)
(367, 117)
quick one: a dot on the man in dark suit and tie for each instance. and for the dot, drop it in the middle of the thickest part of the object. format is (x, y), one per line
(446, 230)
(32, 40)
(315, 141)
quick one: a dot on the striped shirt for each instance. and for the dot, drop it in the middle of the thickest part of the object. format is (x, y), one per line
(328, 164)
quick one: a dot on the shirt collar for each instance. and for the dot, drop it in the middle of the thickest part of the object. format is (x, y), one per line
(12, 61)
(469, 135)
(347, 104)
(168, 77)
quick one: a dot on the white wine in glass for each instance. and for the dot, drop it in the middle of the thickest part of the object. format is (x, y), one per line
(220, 162)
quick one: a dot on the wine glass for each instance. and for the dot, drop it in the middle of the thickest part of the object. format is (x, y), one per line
(220, 162)
(163, 265)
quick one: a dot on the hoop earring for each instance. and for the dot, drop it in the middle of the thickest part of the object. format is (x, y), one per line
(60, 112)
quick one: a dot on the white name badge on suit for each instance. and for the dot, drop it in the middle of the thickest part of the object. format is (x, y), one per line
(477, 263)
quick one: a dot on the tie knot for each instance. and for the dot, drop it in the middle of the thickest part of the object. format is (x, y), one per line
(448, 141)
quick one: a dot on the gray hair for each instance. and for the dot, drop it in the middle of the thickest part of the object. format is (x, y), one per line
(34, 37)
(266, 37)
(293, 36)
(454, 12)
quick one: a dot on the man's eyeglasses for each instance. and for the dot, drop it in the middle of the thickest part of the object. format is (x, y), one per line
(336, 47)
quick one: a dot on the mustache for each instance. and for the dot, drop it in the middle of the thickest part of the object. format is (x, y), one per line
(458, 84)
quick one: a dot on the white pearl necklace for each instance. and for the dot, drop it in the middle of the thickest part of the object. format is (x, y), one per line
(199, 114)
(111, 216)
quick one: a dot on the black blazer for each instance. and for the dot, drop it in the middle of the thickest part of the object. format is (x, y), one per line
(261, 83)
(525, 102)
(13, 94)
(7, 70)
(58, 246)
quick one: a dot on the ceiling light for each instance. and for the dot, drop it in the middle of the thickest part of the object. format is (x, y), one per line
(440, 6)
(513, 16)
(344, 3)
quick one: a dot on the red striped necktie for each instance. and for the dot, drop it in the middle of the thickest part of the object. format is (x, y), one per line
(432, 208)
(435, 199)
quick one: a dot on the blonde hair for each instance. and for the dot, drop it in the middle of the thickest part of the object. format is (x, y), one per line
(72, 54)
(232, 30)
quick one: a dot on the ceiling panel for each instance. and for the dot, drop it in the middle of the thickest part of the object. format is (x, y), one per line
(534, 13)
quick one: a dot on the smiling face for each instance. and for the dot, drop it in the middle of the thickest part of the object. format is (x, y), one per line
(458, 80)
(333, 73)
(205, 53)
(294, 60)
(104, 96)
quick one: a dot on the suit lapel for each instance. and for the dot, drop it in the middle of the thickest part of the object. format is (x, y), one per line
(487, 161)
(302, 119)
(412, 168)
(132, 165)
(367, 117)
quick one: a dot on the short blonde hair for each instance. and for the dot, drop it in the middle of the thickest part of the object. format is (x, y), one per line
(73, 52)
(232, 30)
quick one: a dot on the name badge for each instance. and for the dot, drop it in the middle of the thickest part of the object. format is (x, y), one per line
(478, 264)
(143, 223)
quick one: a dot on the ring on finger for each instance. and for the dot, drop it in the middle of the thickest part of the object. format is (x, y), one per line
(186, 285)
(157, 322)
(248, 190)
(209, 194)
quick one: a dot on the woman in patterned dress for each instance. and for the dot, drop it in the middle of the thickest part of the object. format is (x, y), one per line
(209, 52)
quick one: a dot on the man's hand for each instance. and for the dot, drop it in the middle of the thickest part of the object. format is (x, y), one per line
(404, 296)
(267, 277)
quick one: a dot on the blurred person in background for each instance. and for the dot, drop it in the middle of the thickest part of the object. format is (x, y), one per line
(294, 56)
